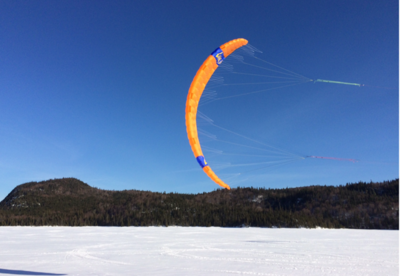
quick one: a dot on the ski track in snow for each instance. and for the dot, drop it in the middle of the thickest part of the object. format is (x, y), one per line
(197, 251)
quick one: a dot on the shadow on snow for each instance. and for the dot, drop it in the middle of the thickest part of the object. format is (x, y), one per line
(24, 272)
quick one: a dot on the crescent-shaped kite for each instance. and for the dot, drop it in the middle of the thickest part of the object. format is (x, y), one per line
(196, 90)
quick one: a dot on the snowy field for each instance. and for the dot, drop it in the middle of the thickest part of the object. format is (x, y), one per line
(196, 251)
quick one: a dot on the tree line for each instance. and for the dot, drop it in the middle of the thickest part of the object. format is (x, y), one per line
(71, 202)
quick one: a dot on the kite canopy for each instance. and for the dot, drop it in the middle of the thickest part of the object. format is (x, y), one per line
(196, 90)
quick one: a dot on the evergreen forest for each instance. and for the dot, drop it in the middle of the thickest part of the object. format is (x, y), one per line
(71, 202)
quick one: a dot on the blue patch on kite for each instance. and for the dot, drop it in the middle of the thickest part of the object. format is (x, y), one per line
(218, 54)
(202, 161)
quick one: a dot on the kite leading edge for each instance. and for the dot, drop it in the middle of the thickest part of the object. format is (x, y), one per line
(196, 89)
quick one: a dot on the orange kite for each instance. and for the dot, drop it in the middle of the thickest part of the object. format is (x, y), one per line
(196, 90)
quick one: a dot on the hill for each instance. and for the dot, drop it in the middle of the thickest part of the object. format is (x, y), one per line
(71, 202)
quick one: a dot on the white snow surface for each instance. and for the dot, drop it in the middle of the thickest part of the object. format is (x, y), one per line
(197, 251)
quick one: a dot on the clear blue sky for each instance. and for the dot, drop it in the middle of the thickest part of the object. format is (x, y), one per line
(97, 89)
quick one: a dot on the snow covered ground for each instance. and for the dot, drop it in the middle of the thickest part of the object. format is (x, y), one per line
(196, 251)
